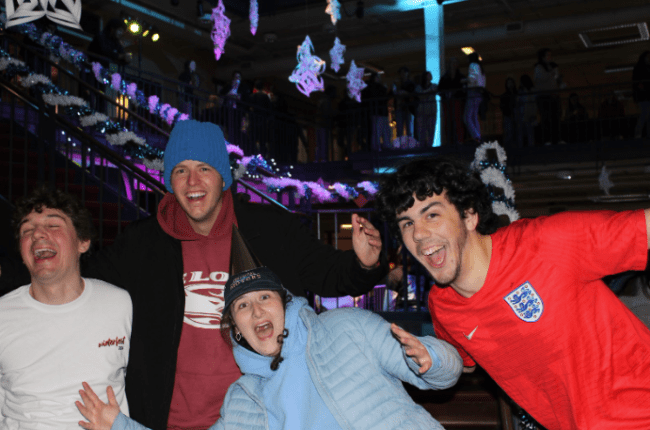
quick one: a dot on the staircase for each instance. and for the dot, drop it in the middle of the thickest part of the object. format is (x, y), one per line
(39, 146)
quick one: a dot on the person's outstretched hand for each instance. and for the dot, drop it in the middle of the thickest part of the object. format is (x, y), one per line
(412, 347)
(366, 242)
(100, 415)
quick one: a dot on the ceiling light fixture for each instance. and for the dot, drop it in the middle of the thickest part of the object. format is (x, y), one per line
(641, 27)
(134, 27)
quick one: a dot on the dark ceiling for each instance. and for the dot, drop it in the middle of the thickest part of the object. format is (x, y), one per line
(385, 39)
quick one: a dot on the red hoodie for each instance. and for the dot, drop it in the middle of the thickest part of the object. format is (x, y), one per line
(205, 367)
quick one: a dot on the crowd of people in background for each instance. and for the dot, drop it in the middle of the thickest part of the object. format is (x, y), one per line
(401, 112)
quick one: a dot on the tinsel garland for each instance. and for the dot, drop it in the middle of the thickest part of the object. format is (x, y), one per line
(345, 191)
(52, 95)
(123, 137)
(135, 146)
(58, 48)
(318, 191)
(492, 173)
(369, 187)
(480, 156)
(92, 119)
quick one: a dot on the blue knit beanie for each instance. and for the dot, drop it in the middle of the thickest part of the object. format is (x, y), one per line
(198, 141)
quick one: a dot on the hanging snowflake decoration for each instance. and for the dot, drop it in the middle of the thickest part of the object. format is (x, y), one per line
(32, 10)
(254, 16)
(221, 29)
(333, 11)
(355, 81)
(307, 73)
(336, 55)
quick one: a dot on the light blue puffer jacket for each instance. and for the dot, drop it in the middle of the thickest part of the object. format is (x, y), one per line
(357, 367)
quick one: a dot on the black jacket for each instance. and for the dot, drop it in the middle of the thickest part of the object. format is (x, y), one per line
(148, 263)
(641, 85)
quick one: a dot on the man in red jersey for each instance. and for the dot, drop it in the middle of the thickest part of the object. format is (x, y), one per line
(527, 302)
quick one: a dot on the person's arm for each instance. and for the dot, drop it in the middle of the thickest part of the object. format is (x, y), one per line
(366, 242)
(472, 79)
(425, 362)
(415, 349)
(469, 365)
(107, 416)
(283, 243)
(100, 415)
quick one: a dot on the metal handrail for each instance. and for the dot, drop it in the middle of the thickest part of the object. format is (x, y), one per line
(87, 86)
(96, 145)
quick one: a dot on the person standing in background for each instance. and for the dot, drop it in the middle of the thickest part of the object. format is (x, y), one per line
(475, 86)
(427, 110)
(452, 100)
(641, 87)
(547, 79)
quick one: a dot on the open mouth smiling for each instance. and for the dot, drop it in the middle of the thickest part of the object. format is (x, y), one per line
(264, 330)
(195, 196)
(44, 253)
(434, 255)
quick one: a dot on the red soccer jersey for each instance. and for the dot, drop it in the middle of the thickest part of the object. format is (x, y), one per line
(548, 330)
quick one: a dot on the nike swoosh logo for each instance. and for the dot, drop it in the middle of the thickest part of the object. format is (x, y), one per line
(469, 336)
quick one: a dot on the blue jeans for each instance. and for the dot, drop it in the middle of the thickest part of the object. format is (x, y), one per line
(471, 114)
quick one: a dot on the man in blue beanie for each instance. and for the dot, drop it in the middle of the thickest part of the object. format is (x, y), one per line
(175, 266)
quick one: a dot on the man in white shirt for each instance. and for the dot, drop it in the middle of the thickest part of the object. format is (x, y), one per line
(61, 329)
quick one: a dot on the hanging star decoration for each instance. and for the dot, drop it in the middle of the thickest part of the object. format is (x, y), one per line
(254, 16)
(333, 10)
(32, 10)
(307, 73)
(221, 29)
(355, 81)
(336, 55)
(135, 146)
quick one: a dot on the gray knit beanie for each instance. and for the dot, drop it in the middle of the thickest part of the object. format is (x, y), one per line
(198, 141)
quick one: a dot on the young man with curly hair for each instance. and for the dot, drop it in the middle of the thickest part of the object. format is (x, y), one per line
(526, 302)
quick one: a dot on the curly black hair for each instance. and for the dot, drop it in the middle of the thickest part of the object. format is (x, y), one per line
(42, 197)
(228, 329)
(424, 177)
